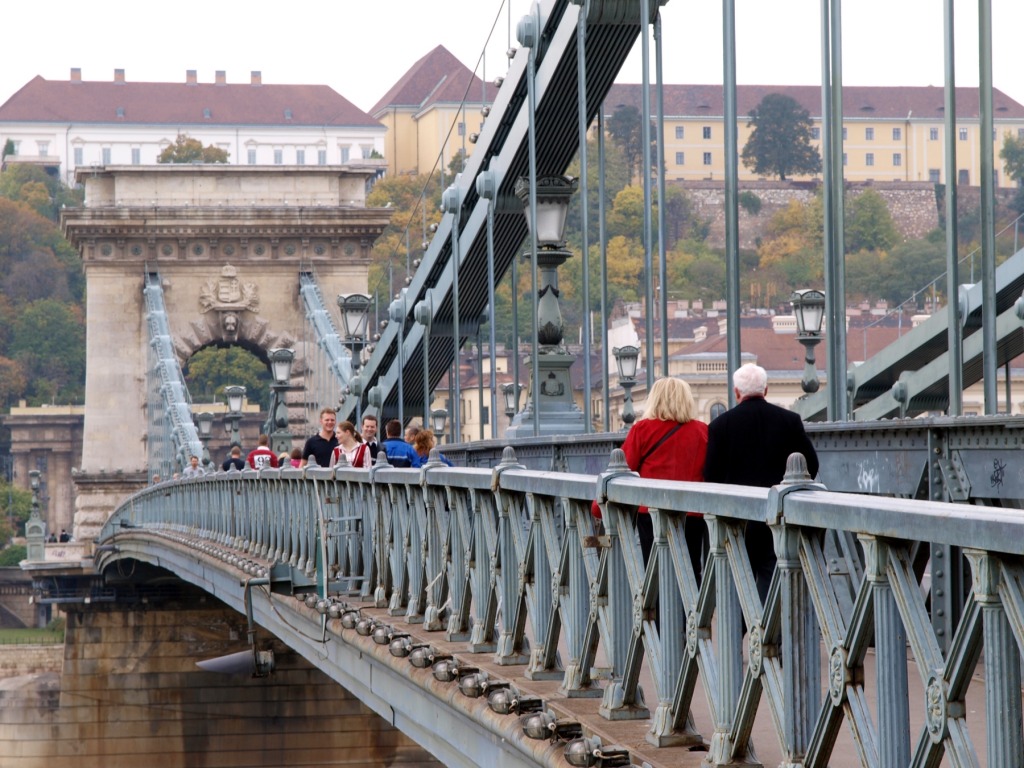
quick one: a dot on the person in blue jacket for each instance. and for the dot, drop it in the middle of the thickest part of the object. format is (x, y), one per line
(399, 452)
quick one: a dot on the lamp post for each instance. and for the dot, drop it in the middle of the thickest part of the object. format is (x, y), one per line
(550, 408)
(510, 394)
(626, 361)
(355, 318)
(204, 421)
(809, 310)
(235, 395)
(276, 426)
(438, 422)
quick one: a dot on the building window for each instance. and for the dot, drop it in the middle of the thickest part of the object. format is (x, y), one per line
(680, 131)
(367, 150)
(44, 148)
(78, 155)
(300, 157)
(717, 409)
(844, 158)
(680, 158)
(251, 156)
(933, 134)
(707, 158)
(816, 133)
(869, 134)
(278, 156)
(897, 134)
(17, 146)
(963, 134)
(707, 131)
(344, 154)
(934, 175)
(869, 159)
(321, 157)
(897, 159)
(1020, 133)
(106, 155)
(844, 133)
(963, 177)
(136, 156)
(462, 129)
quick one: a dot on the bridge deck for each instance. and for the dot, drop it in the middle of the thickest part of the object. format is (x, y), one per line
(631, 734)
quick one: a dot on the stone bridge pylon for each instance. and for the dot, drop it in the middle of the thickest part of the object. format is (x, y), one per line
(229, 243)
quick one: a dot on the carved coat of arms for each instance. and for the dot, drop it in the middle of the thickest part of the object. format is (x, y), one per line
(229, 296)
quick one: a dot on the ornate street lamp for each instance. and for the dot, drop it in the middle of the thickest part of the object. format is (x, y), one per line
(355, 320)
(510, 393)
(626, 361)
(550, 407)
(234, 395)
(438, 422)
(276, 426)
(204, 421)
(809, 310)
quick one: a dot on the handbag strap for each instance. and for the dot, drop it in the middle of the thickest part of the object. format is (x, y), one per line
(657, 445)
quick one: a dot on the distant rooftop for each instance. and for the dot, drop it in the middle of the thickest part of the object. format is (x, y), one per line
(119, 101)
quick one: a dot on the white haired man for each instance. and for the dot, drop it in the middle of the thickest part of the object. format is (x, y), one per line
(749, 445)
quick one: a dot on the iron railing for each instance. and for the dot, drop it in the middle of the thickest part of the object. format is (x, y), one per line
(510, 563)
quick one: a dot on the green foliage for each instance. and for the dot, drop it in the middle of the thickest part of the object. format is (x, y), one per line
(415, 204)
(1012, 155)
(48, 339)
(12, 555)
(750, 202)
(43, 193)
(616, 178)
(15, 507)
(8, 148)
(869, 225)
(780, 143)
(211, 369)
(185, 149)
(626, 130)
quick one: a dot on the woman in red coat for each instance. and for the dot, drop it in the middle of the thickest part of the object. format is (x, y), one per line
(669, 443)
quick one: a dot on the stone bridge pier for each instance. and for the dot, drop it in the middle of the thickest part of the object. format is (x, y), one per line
(130, 694)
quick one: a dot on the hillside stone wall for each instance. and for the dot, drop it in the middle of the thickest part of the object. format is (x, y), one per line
(913, 205)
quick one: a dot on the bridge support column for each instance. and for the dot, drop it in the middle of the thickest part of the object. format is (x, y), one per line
(130, 690)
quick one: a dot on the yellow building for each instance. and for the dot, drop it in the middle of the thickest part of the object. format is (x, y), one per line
(432, 113)
(890, 133)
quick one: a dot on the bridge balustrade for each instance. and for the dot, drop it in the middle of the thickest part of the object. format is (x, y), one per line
(509, 563)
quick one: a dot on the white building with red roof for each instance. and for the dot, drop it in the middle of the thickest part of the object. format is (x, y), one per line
(67, 124)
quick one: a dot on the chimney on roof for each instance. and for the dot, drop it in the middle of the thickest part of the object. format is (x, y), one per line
(256, 77)
(76, 74)
(222, 77)
(190, 77)
(118, 75)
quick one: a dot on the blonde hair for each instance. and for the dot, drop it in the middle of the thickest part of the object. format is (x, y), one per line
(670, 400)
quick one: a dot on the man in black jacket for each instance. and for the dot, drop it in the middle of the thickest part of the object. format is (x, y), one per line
(749, 445)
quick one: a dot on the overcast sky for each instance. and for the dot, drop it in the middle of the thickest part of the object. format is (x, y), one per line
(361, 48)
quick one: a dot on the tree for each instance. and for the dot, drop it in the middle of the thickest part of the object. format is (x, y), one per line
(869, 225)
(16, 506)
(626, 130)
(48, 340)
(1012, 155)
(212, 369)
(185, 149)
(780, 143)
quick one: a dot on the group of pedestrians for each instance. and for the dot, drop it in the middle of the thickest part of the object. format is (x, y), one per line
(335, 442)
(747, 445)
